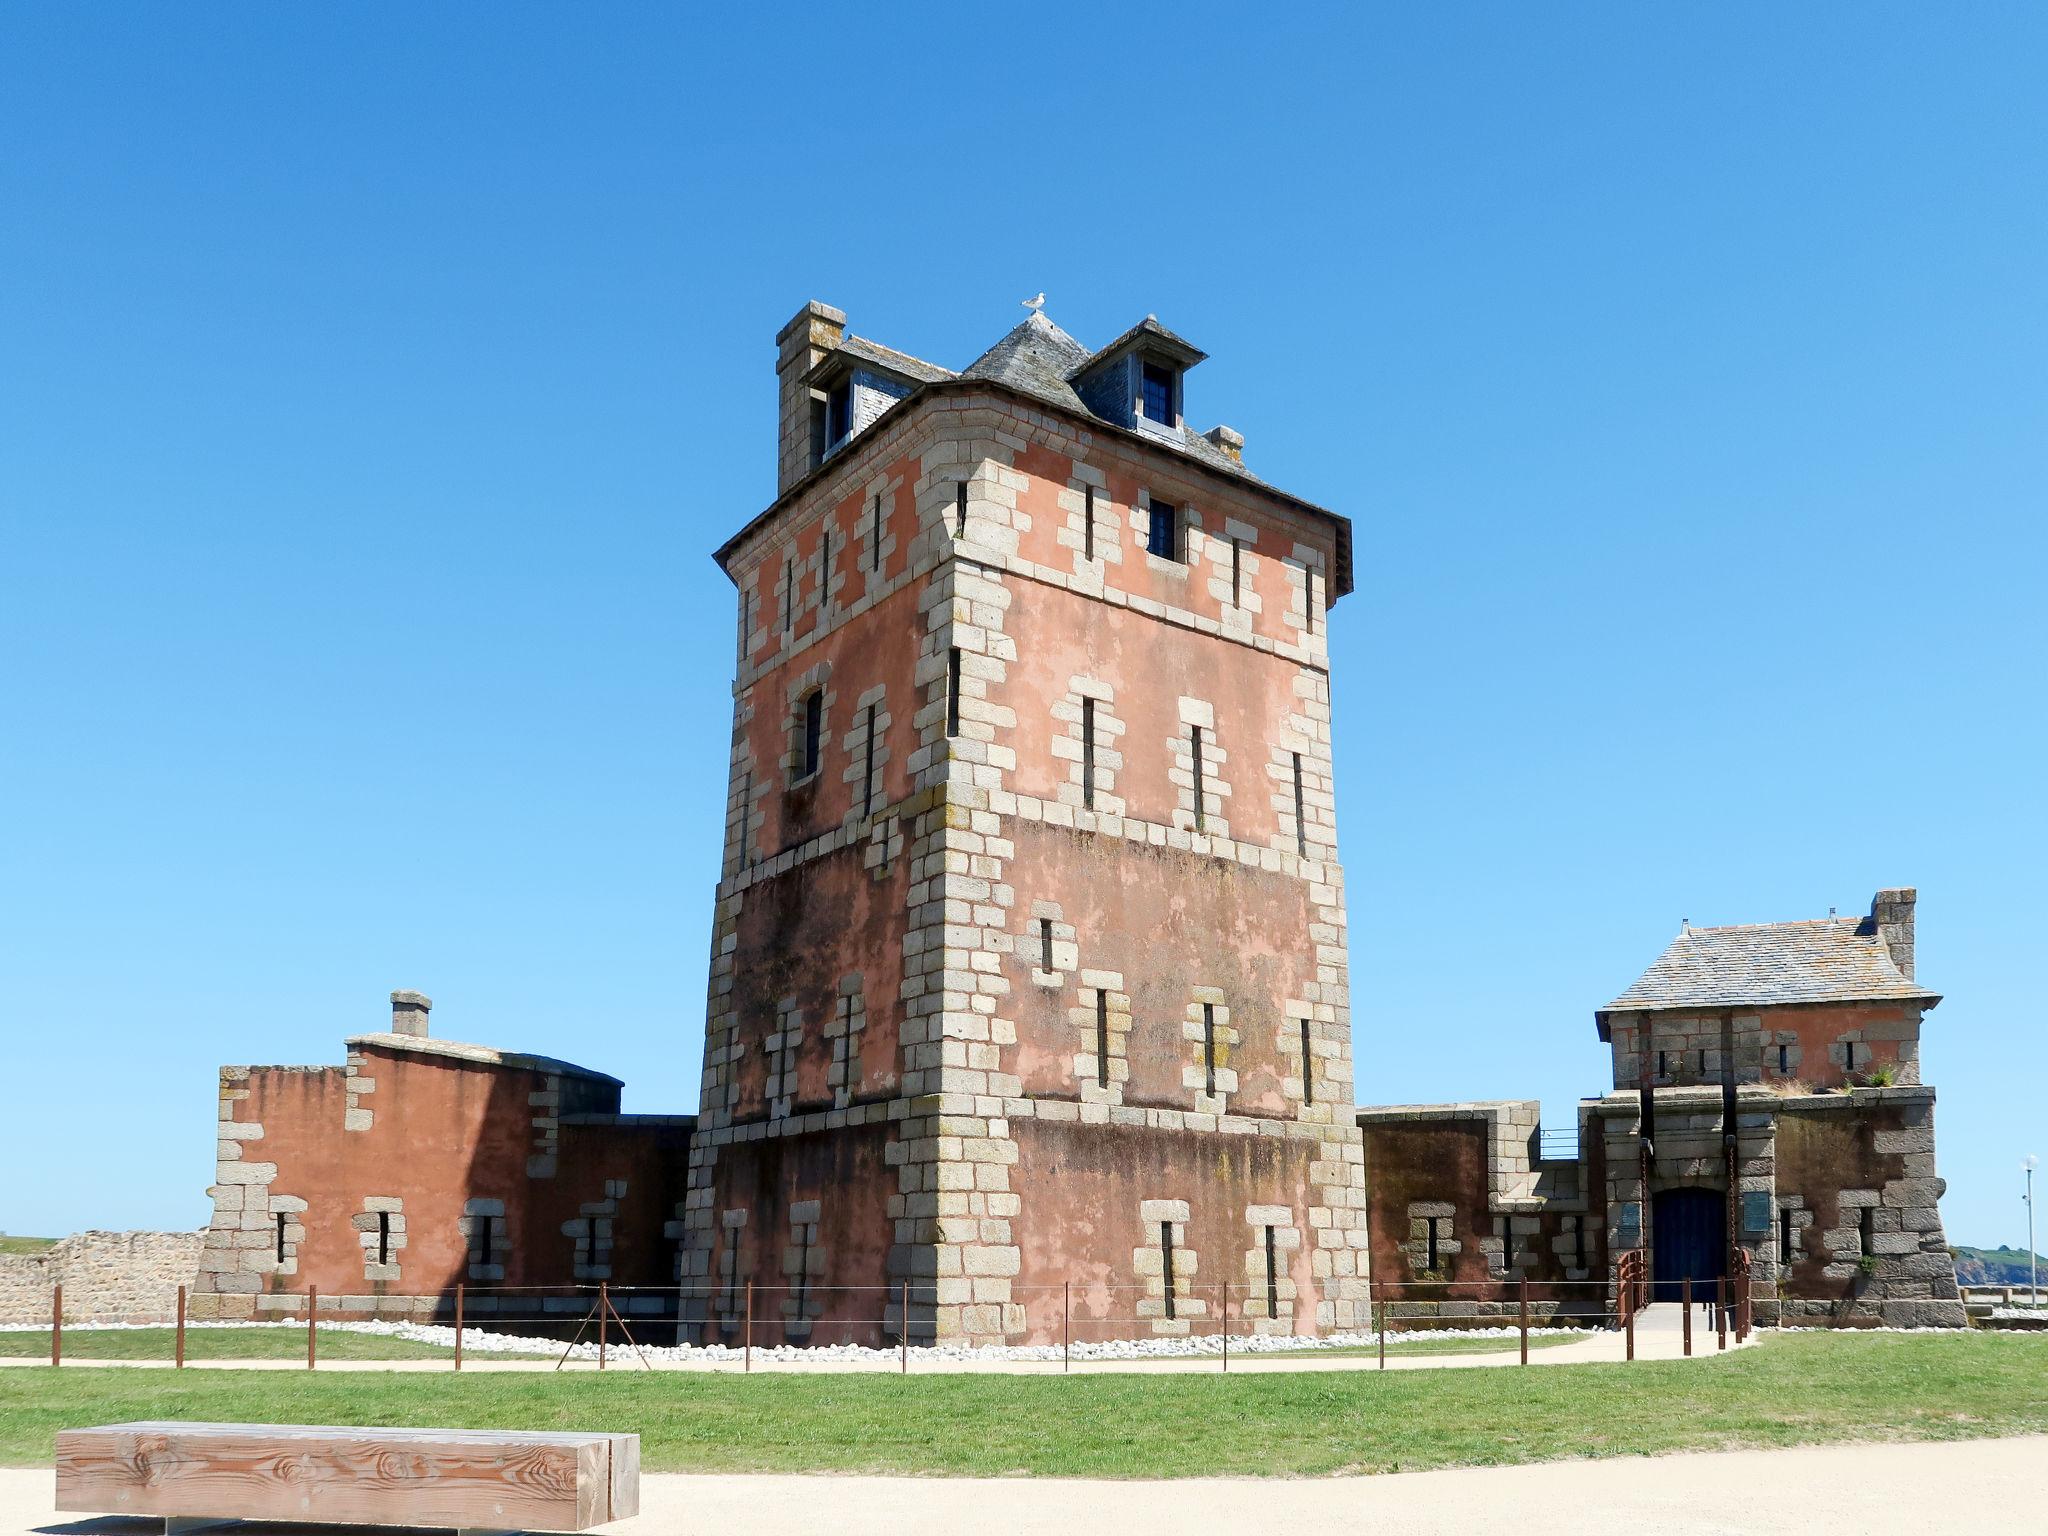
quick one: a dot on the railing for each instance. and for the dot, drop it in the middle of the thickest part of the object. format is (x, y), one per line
(1557, 1144)
(728, 1322)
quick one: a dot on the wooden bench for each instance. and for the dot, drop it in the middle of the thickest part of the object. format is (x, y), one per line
(474, 1480)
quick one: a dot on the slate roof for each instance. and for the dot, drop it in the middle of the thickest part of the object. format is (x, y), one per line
(858, 349)
(1036, 357)
(1825, 960)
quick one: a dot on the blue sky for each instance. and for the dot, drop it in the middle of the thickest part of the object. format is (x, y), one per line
(378, 380)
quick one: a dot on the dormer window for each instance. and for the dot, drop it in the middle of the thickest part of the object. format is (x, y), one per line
(1159, 397)
(838, 414)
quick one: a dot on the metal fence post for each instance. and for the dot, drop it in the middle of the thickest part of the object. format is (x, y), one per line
(1628, 1318)
(181, 1327)
(458, 1325)
(1376, 1291)
(1066, 1325)
(1685, 1309)
(747, 1348)
(603, 1306)
(312, 1315)
(1522, 1296)
(903, 1332)
(57, 1325)
(1226, 1325)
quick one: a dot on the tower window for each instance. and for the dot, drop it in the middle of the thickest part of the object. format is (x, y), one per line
(875, 539)
(1784, 1236)
(1434, 1255)
(1300, 812)
(1784, 1059)
(1195, 751)
(1088, 754)
(282, 1218)
(1157, 395)
(960, 511)
(1272, 1276)
(480, 1231)
(1237, 573)
(1866, 1232)
(1045, 944)
(1308, 1067)
(1309, 603)
(788, 597)
(1209, 1049)
(1162, 537)
(814, 731)
(867, 772)
(383, 1237)
(953, 691)
(1101, 1038)
(1088, 523)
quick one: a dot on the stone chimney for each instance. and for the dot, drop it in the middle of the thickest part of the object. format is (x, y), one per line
(799, 347)
(1892, 911)
(1229, 440)
(409, 1013)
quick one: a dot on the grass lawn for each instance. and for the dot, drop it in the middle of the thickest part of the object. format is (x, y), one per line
(1793, 1390)
(221, 1344)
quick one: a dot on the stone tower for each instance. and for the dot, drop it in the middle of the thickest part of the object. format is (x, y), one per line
(1029, 958)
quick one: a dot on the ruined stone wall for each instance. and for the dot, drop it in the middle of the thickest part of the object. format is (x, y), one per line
(109, 1277)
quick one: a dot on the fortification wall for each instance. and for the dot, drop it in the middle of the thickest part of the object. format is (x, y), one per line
(125, 1277)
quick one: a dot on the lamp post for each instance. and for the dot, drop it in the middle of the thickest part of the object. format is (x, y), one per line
(2033, 1278)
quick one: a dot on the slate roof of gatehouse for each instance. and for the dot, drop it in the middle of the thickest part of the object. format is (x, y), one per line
(1822, 960)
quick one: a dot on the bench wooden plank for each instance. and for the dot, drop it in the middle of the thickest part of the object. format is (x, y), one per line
(438, 1477)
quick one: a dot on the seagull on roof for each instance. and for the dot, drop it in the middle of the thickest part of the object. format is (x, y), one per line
(1035, 305)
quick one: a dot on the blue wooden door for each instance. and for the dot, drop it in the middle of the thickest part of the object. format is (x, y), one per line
(1688, 1240)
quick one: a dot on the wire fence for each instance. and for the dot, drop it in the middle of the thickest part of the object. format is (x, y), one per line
(732, 1320)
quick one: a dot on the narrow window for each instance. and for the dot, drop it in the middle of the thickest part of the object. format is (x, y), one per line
(775, 1049)
(383, 1237)
(960, 511)
(1088, 523)
(803, 1266)
(1308, 1068)
(1300, 812)
(1661, 1065)
(1309, 577)
(875, 539)
(1703, 1061)
(1237, 573)
(1088, 754)
(1101, 1038)
(1784, 1060)
(282, 1218)
(746, 617)
(1162, 535)
(788, 597)
(1166, 1253)
(814, 730)
(1272, 1275)
(867, 771)
(1209, 1047)
(953, 692)
(1432, 1220)
(746, 816)
(1866, 1231)
(824, 567)
(1195, 746)
(1849, 1055)
(1784, 1235)
(855, 1073)
(1045, 943)
(480, 1228)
